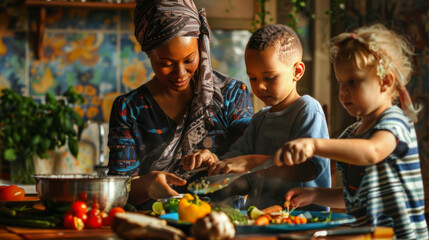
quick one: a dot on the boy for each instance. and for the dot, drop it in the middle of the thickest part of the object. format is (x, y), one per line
(274, 65)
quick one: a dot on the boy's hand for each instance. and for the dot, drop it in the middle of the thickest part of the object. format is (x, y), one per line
(294, 152)
(196, 159)
(236, 165)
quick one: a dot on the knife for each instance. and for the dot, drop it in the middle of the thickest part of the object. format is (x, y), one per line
(324, 233)
(196, 170)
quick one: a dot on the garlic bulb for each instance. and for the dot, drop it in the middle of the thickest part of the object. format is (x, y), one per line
(214, 226)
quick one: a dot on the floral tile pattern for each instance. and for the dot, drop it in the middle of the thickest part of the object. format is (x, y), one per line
(79, 18)
(12, 61)
(94, 51)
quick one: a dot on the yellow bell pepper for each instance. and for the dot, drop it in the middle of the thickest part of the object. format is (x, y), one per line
(191, 208)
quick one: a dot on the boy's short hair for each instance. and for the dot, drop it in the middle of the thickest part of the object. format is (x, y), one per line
(281, 36)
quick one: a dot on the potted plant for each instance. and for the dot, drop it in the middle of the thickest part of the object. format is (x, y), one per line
(29, 129)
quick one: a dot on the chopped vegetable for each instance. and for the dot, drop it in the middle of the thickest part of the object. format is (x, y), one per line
(273, 209)
(234, 215)
(171, 205)
(263, 220)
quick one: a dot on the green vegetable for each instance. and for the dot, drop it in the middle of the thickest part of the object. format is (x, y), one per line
(6, 211)
(26, 222)
(171, 205)
(234, 214)
(328, 219)
(130, 208)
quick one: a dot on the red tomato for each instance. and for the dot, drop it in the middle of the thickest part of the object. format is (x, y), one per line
(83, 196)
(113, 212)
(79, 206)
(12, 193)
(95, 205)
(93, 212)
(95, 221)
(105, 218)
(82, 216)
(68, 220)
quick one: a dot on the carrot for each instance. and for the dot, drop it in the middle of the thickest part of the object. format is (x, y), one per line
(272, 209)
(262, 220)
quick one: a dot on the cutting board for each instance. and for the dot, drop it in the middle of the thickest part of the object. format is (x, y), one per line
(37, 233)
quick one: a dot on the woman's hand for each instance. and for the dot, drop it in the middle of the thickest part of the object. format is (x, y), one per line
(154, 185)
(198, 158)
(295, 152)
(160, 184)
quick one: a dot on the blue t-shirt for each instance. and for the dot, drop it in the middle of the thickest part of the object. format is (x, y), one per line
(389, 193)
(267, 132)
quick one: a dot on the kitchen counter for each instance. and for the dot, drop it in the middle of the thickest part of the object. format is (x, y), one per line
(105, 233)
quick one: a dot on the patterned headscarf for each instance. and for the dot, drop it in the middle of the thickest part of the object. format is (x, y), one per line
(156, 23)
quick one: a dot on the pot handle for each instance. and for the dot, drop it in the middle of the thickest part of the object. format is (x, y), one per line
(128, 183)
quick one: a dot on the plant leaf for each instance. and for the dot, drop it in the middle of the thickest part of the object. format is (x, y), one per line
(73, 146)
(9, 154)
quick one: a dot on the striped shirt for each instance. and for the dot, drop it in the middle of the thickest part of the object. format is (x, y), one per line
(389, 193)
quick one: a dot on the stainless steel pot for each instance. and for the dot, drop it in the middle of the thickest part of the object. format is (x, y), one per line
(58, 192)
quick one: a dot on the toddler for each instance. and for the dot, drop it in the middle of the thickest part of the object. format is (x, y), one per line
(377, 155)
(274, 65)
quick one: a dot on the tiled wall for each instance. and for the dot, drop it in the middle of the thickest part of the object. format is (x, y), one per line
(96, 52)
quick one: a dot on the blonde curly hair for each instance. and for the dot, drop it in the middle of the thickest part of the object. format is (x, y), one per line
(377, 46)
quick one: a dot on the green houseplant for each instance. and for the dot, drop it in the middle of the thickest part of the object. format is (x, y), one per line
(29, 129)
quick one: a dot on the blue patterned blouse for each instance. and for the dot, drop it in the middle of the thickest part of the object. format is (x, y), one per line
(139, 131)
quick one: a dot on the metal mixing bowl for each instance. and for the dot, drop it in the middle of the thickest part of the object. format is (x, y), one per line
(58, 192)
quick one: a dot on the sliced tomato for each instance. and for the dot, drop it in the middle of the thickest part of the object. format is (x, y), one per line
(72, 222)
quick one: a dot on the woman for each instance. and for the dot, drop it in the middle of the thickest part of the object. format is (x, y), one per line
(185, 107)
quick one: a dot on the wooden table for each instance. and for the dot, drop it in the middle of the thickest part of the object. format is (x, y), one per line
(105, 233)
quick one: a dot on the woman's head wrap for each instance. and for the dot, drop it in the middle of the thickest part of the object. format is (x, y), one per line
(156, 23)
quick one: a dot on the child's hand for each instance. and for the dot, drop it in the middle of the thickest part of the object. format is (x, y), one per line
(236, 165)
(196, 159)
(294, 152)
(300, 197)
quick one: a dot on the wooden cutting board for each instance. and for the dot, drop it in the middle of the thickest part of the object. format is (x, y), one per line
(37, 233)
